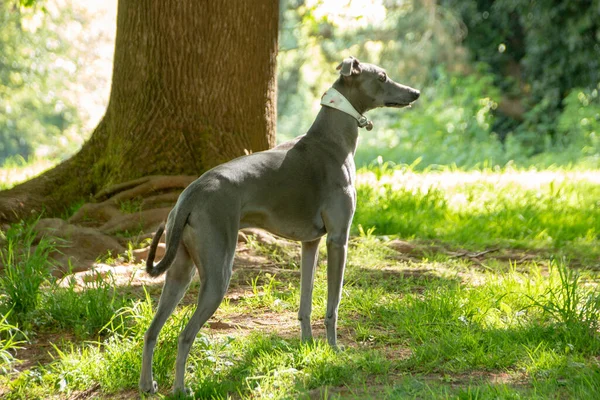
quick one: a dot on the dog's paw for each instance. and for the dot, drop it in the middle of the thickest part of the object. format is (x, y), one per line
(183, 393)
(149, 389)
(338, 348)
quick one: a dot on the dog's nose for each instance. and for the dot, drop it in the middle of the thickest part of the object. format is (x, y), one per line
(416, 93)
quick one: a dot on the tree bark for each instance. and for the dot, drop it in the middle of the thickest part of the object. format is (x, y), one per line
(194, 85)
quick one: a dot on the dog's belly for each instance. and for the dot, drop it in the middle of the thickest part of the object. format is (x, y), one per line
(290, 228)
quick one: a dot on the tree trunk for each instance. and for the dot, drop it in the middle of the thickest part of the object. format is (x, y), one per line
(194, 85)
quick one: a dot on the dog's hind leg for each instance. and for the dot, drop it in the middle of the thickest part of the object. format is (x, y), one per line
(213, 253)
(177, 280)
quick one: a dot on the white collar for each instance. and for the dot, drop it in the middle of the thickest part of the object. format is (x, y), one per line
(334, 99)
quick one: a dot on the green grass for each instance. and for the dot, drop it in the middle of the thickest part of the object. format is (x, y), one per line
(431, 325)
(24, 256)
(34, 298)
(131, 206)
(428, 334)
(83, 310)
(9, 342)
(555, 211)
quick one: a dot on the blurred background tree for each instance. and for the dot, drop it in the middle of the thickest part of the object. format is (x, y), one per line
(502, 81)
(538, 51)
(36, 64)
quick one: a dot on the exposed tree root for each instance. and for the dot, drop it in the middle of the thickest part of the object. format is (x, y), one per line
(131, 206)
(106, 193)
(141, 255)
(125, 213)
(159, 200)
(143, 186)
(130, 211)
(143, 221)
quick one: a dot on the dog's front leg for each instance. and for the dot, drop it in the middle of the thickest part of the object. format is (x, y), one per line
(337, 247)
(310, 254)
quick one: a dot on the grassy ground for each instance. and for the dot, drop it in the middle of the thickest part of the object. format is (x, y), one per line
(472, 285)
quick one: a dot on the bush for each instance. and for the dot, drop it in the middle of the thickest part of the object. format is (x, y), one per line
(450, 124)
(579, 125)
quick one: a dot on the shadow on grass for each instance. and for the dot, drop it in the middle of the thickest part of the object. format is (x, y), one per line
(397, 280)
(266, 364)
(442, 326)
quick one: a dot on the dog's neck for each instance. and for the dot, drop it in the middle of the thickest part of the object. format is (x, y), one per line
(337, 128)
(332, 98)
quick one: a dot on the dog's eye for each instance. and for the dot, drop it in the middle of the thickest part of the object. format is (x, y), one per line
(382, 77)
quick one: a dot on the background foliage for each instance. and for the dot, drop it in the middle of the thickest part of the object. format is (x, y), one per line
(500, 83)
(535, 63)
(54, 78)
(36, 64)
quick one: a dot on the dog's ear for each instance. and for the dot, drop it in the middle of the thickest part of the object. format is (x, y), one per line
(350, 66)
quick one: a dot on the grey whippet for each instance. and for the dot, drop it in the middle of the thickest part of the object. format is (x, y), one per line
(299, 190)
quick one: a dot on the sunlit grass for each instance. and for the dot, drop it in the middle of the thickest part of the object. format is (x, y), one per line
(556, 210)
(26, 267)
(16, 170)
(9, 342)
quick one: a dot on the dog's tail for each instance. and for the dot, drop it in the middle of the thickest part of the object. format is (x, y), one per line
(172, 245)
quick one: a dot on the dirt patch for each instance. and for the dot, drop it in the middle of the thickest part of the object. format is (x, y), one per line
(417, 250)
(40, 350)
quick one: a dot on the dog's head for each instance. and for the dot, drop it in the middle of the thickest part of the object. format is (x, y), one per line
(368, 86)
